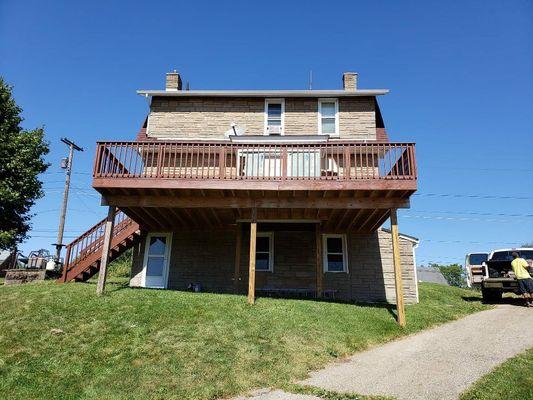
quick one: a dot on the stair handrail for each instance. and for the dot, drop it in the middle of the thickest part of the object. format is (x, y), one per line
(91, 240)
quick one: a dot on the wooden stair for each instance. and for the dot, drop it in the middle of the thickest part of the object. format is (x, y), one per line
(83, 255)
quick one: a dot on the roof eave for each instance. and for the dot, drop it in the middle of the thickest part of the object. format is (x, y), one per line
(262, 93)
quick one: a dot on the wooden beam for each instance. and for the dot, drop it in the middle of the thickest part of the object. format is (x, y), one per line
(251, 271)
(367, 220)
(400, 308)
(148, 219)
(354, 220)
(237, 202)
(319, 261)
(216, 217)
(379, 222)
(271, 185)
(202, 213)
(191, 218)
(177, 216)
(238, 243)
(341, 219)
(134, 215)
(106, 249)
(165, 221)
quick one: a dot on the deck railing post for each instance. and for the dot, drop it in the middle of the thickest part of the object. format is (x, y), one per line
(400, 308)
(106, 248)
(284, 163)
(347, 161)
(251, 271)
(65, 263)
(222, 162)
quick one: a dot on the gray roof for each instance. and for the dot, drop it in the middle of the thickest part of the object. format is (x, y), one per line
(430, 274)
(264, 93)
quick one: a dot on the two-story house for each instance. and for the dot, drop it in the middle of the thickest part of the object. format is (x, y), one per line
(275, 192)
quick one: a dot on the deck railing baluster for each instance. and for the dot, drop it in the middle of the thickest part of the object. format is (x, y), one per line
(255, 161)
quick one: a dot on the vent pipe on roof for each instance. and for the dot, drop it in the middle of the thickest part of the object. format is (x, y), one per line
(173, 82)
(349, 81)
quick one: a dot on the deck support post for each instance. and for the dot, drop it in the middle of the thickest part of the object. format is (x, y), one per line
(251, 272)
(319, 261)
(400, 308)
(106, 248)
(238, 242)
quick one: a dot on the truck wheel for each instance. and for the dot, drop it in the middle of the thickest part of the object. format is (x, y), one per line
(491, 295)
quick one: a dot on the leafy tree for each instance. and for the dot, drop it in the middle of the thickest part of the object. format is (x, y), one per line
(21, 161)
(454, 274)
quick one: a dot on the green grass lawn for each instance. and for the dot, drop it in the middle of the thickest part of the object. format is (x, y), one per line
(141, 343)
(513, 380)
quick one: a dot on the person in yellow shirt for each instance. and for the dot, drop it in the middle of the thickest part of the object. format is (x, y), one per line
(525, 282)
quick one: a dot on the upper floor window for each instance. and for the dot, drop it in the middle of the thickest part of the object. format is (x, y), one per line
(328, 117)
(274, 116)
(335, 257)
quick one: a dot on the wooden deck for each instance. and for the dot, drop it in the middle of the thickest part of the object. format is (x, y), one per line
(169, 184)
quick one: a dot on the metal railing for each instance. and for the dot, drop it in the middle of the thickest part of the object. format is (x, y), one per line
(339, 160)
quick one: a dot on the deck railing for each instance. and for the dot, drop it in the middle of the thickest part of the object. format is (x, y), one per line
(339, 160)
(92, 240)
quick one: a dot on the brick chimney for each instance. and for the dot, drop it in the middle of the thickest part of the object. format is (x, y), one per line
(173, 82)
(349, 81)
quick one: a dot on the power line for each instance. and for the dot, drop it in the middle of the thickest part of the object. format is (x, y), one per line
(51, 237)
(61, 172)
(469, 213)
(443, 168)
(465, 241)
(442, 218)
(473, 196)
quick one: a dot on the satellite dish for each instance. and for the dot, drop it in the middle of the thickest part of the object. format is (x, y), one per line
(235, 131)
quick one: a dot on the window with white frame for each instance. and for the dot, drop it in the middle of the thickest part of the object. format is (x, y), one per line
(328, 117)
(335, 258)
(264, 251)
(274, 116)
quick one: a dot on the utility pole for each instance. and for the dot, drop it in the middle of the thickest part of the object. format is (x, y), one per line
(72, 146)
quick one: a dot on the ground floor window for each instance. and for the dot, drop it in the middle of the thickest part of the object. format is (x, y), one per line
(264, 251)
(334, 248)
(156, 259)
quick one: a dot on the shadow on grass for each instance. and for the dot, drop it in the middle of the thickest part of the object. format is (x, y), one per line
(115, 286)
(110, 286)
(472, 299)
(514, 301)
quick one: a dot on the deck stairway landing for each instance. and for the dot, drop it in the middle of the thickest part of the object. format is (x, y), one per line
(83, 255)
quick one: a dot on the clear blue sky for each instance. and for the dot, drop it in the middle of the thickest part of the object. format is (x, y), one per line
(460, 74)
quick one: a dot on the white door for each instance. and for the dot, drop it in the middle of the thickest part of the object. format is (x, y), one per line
(156, 259)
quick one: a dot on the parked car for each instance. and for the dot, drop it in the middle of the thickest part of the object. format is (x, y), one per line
(498, 276)
(474, 268)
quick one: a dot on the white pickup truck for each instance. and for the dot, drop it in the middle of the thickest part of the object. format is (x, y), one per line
(474, 268)
(498, 276)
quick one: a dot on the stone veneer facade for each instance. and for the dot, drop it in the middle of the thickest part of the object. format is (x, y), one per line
(210, 117)
(208, 258)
